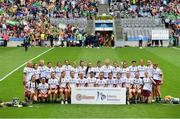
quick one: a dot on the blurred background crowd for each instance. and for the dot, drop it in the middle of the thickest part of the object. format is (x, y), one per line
(30, 19)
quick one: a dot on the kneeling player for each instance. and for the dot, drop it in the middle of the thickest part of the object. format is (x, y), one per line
(31, 89)
(91, 80)
(43, 90)
(137, 87)
(111, 81)
(81, 81)
(128, 85)
(101, 82)
(53, 87)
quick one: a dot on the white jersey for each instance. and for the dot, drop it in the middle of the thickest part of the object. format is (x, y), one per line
(31, 86)
(115, 70)
(42, 70)
(149, 71)
(156, 74)
(101, 83)
(142, 70)
(67, 69)
(76, 72)
(72, 82)
(90, 70)
(97, 70)
(81, 82)
(53, 83)
(124, 72)
(111, 82)
(43, 88)
(28, 73)
(133, 70)
(48, 72)
(118, 82)
(36, 72)
(91, 81)
(58, 71)
(129, 82)
(138, 83)
(64, 82)
(82, 69)
(106, 70)
(147, 84)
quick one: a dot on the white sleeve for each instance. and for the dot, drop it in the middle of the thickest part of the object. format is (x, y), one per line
(25, 70)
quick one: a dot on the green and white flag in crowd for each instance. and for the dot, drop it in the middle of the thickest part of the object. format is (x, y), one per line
(36, 4)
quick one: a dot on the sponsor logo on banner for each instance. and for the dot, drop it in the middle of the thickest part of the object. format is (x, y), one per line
(80, 97)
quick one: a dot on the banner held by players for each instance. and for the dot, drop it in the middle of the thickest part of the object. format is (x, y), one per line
(98, 95)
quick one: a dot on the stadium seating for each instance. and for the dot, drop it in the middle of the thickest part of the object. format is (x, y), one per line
(140, 28)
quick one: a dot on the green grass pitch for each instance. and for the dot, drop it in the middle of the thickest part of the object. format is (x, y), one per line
(168, 59)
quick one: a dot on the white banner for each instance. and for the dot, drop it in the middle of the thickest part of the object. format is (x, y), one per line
(160, 34)
(98, 95)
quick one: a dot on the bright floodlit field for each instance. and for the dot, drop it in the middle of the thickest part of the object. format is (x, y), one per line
(11, 58)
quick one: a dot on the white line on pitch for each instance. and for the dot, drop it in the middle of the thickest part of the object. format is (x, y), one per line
(176, 48)
(25, 64)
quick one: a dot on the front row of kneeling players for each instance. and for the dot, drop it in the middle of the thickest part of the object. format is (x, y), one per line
(53, 89)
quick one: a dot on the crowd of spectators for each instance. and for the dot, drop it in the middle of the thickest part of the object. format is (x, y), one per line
(30, 19)
(168, 10)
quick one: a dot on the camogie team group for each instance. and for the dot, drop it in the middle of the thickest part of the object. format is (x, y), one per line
(46, 83)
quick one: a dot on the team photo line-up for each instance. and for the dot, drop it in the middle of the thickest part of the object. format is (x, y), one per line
(53, 84)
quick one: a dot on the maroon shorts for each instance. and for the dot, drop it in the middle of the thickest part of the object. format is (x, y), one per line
(146, 93)
(158, 82)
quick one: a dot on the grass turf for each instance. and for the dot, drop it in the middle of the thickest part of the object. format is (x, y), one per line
(168, 59)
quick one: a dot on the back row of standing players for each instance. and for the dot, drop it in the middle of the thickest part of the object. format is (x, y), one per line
(139, 80)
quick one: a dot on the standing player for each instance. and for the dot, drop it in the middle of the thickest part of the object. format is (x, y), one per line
(110, 81)
(149, 70)
(101, 82)
(133, 69)
(42, 68)
(124, 69)
(158, 78)
(53, 87)
(106, 68)
(97, 69)
(28, 72)
(89, 69)
(137, 86)
(67, 68)
(72, 79)
(147, 88)
(115, 69)
(64, 88)
(91, 80)
(36, 72)
(43, 90)
(142, 69)
(58, 70)
(49, 70)
(75, 69)
(82, 68)
(31, 89)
